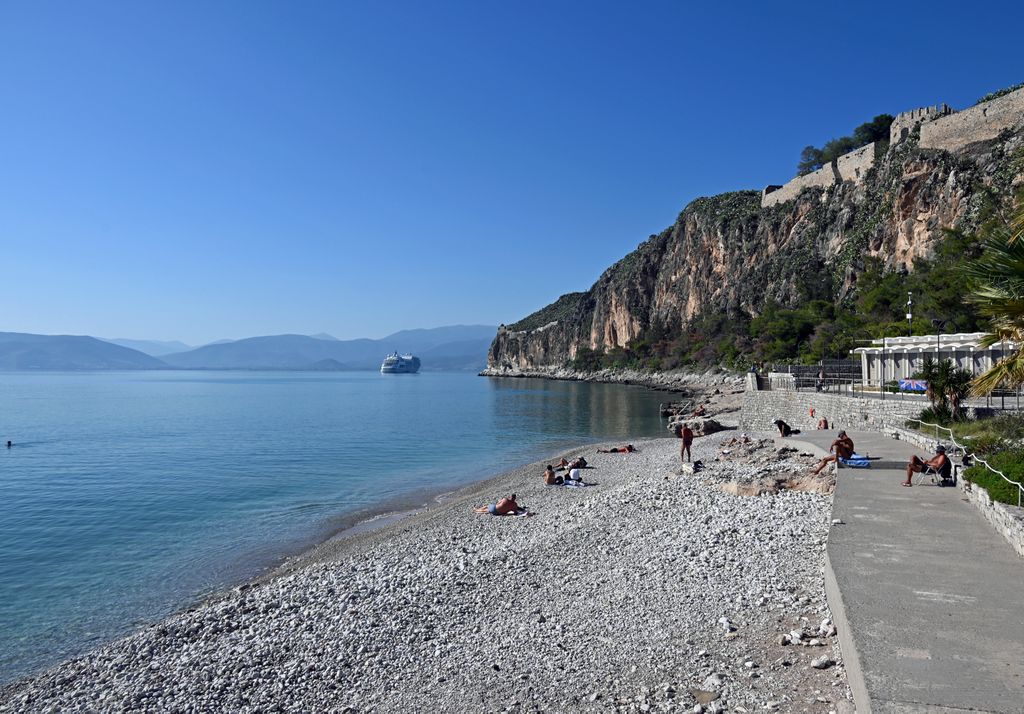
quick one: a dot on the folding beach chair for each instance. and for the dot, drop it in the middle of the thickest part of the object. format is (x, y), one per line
(941, 477)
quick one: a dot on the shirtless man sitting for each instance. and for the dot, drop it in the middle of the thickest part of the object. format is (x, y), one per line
(937, 463)
(551, 478)
(842, 448)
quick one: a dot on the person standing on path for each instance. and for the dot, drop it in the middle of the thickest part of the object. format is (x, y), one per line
(686, 434)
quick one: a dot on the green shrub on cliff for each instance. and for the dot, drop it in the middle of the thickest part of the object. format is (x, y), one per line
(561, 309)
(998, 93)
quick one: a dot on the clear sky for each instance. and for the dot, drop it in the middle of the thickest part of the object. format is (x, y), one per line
(205, 170)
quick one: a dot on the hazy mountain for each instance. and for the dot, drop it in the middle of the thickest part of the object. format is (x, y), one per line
(424, 339)
(69, 352)
(154, 348)
(463, 356)
(457, 347)
(324, 336)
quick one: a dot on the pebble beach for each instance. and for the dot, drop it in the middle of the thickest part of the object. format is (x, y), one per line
(653, 589)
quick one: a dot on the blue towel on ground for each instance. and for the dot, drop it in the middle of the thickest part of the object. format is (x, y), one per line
(855, 462)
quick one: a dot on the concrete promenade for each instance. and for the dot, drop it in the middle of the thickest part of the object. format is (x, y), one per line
(928, 597)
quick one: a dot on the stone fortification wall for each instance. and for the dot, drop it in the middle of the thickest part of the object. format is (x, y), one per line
(855, 165)
(822, 178)
(848, 167)
(905, 122)
(760, 409)
(983, 122)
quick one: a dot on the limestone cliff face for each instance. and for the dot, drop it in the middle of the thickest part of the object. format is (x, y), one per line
(727, 255)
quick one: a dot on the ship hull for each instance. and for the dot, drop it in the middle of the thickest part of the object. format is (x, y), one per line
(404, 364)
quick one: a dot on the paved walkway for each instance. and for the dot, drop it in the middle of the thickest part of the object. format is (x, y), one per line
(932, 595)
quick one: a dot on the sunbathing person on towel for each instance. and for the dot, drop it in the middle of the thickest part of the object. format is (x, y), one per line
(503, 507)
(627, 449)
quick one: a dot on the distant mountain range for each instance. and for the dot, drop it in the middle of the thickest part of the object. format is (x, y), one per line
(153, 348)
(69, 352)
(458, 347)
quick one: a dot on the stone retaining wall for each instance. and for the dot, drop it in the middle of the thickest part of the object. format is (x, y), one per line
(762, 408)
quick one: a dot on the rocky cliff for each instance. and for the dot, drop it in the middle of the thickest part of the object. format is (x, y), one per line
(727, 256)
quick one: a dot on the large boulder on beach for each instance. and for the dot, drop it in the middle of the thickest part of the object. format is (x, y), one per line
(701, 426)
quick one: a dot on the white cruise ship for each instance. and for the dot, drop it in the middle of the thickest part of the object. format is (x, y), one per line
(395, 363)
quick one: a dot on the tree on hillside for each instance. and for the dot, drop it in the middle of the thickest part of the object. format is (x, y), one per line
(999, 296)
(812, 158)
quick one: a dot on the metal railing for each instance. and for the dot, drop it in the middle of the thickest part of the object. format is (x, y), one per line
(1000, 400)
(846, 386)
(972, 456)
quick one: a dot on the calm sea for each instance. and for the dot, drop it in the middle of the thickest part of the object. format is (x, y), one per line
(129, 495)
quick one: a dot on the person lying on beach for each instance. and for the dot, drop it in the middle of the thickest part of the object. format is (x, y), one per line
(627, 449)
(938, 463)
(699, 411)
(578, 463)
(842, 448)
(551, 478)
(503, 507)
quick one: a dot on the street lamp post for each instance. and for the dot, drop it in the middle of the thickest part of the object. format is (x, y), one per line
(910, 313)
(882, 385)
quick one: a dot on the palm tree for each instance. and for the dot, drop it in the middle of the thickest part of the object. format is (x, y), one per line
(957, 386)
(999, 295)
(929, 372)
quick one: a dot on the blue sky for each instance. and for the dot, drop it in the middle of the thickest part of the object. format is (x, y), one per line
(197, 170)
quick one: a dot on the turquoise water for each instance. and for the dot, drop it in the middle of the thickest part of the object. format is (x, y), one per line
(128, 495)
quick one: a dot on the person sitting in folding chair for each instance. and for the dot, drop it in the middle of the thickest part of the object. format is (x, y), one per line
(939, 465)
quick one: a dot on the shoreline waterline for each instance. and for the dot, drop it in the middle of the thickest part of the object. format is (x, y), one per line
(469, 610)
(182, 484)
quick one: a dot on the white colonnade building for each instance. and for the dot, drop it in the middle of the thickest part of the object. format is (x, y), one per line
(895, 358)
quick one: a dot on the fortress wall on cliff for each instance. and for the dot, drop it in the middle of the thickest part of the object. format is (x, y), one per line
(982, 122)
(905, 122)
(854, 166)
(822, 178)
(848, 167)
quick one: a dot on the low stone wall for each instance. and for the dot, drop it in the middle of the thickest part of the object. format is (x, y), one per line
(762, 408)
(1007, 520)
(983, 122)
